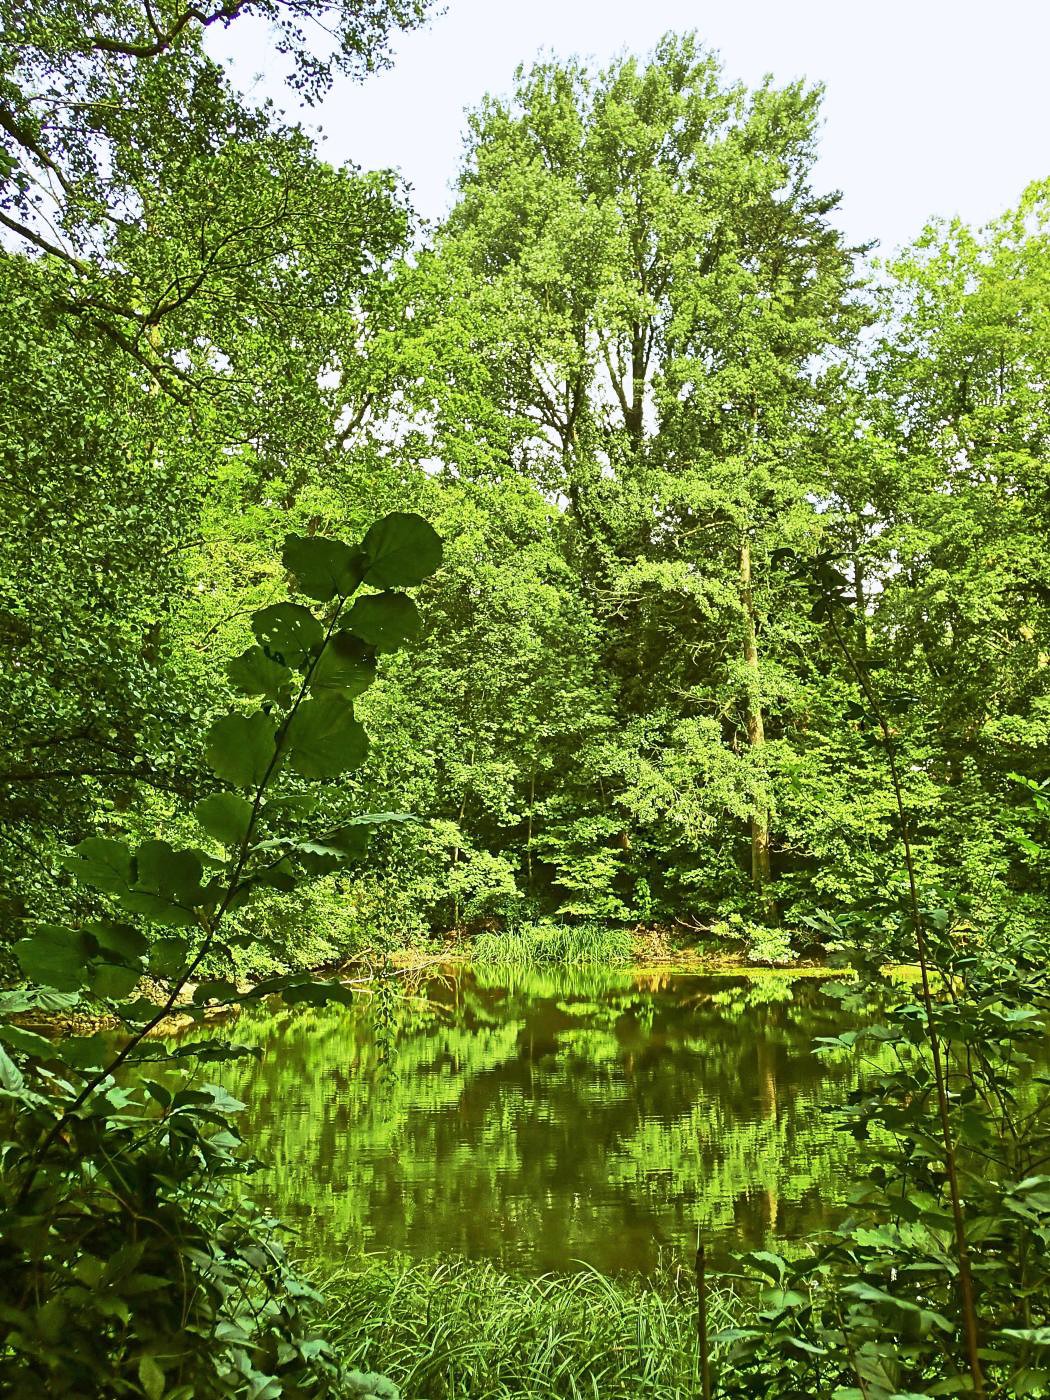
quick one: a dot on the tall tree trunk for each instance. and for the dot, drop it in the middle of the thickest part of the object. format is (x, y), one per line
(761, 872)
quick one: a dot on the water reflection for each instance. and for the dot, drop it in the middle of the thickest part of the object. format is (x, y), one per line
(544, 1118)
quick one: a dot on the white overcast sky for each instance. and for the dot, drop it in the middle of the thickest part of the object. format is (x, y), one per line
(932, 107)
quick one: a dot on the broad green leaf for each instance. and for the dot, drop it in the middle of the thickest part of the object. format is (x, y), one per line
(28, 1042)
(151, 1378)
(113, 979)
(56, 957)
(219, 989)
(158, 909)
(167, 956)
(288, 631)
(224, 816)
(255, 673)
(11, 1077)
(101, 863)
(173, 874)
(241, 748)
(384, 620)
(402, 550)
(346, 664)
(36, 999)
(87, 1051)
(321, 568)
(325, 739)
(280, 876)
(120, 939)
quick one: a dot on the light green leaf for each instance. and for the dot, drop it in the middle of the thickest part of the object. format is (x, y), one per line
(321, 568)
(402, 550)
(325, 739)
(11, 1077)
(241, 747)
(384, 620)
(28, 1042)
(225, 816)
(151, 1378)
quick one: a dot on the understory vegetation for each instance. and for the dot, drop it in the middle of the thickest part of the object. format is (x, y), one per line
(455, 1328)
(728, 622)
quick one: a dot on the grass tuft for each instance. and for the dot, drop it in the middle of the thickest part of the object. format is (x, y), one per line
(534, 945)
(458, 1330)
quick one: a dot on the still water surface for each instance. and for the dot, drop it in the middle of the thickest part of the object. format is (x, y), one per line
(546, 1118)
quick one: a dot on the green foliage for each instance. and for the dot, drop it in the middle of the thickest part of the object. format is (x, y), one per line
(168, 1284)
(454, 1328)
(529, 945)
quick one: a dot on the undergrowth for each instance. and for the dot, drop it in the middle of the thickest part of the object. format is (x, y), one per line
(548, 942)
(449, 1330)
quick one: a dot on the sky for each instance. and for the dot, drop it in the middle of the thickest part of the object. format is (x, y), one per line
(932, 107)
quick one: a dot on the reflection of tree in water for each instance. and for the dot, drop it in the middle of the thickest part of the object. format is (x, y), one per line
(554, 1115)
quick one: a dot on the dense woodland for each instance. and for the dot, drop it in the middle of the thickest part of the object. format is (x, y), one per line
(742, 579)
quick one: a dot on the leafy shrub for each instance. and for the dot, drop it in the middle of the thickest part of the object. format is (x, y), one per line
(127, 1264)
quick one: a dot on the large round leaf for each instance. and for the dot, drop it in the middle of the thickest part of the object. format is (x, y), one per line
(56, 957)
(255, 673)
(176, 875)
(289, 632)
(101, 863)
(384, 620)
(240, 748)
(325, 739)
(402, 550)
(346, 664)
(225, 816)
(321, 568)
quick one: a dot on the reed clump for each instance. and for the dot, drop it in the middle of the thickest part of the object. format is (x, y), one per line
(462, 1330)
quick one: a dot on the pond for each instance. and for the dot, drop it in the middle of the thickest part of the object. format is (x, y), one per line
(546, 1119)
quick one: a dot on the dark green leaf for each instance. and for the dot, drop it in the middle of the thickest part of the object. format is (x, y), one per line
(402, 550)
(325, 739)
(288, 631)
(321, 568)
(122, 940)
(255, 673)
(346, 664)
(56, 957)
(167, 956)
(174, 874)
(384, 620)
(225, 816)
(241, 748)
(101, 863)
(113, 979)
